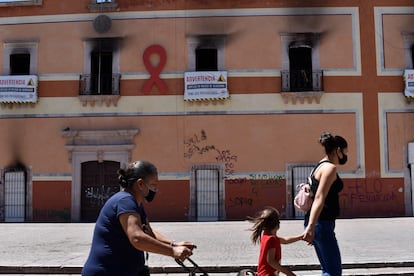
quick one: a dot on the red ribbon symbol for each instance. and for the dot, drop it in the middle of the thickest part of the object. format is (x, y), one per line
(155, 70)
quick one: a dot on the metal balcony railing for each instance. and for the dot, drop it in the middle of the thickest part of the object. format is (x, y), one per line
(302, 80)
(104, 84)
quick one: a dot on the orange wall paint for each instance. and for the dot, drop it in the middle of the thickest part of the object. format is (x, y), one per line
(51, 200)
(61, 46)
(259, 143)
(171, 202)
(269, 141)
(399, 135)
(393, 25)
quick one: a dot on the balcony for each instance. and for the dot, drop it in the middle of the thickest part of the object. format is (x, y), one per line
(302, 85)
(99, 89)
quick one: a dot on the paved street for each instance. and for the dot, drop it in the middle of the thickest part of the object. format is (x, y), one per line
(385, 245)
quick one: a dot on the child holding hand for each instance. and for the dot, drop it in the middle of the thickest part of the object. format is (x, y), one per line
(265, 226)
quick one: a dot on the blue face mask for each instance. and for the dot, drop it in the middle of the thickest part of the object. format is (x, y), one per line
(151, 194)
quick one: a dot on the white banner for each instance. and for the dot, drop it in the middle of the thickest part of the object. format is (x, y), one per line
(205, 85)
(18, 89)
(409, 83)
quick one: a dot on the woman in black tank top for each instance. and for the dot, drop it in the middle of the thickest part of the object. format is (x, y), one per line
(320, 220)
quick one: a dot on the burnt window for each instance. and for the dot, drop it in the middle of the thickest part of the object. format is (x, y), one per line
(412, 56)
(101, 72)
(300, 68)
(206, 59)
(100, 75)
(20, 64)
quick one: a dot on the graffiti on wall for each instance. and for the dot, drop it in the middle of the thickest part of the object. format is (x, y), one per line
(229, 160)
(241, 201)
(196, 144)
(193, 145)
(98, 195)
(372, 195)
(256, 182)
(363, 192)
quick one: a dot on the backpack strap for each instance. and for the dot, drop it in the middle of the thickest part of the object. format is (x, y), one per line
(317, 167)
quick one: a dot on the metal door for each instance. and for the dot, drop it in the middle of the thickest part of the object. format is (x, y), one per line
(15, 196)
(299, 175)
(99, 182)
(207, 185)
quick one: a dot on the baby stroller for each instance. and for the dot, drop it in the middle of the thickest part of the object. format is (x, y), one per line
(195, 268)
(192, 271)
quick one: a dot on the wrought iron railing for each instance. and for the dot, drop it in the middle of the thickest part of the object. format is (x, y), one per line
(302, 80)
(99, 85)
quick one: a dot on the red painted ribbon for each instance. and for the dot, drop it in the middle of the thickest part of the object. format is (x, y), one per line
(155, 70)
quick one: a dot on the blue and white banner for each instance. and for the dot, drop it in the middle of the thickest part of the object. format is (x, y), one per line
(205, 85)
(18, 89)
(409, 83)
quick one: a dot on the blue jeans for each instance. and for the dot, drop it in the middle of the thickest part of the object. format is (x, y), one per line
(326, 247)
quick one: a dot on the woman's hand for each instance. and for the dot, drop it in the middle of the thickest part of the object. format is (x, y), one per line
(309, 235)
(181, 252)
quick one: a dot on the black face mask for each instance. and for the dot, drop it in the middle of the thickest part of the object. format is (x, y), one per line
(150, 196)
(343, 160)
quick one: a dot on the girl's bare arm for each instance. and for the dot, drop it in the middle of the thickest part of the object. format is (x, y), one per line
(290, 239)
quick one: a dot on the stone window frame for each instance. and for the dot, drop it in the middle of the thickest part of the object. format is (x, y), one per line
(308, 38)
(408, 40)
(21, 3)
(16, 47)
(29, 192)
(99, 100)
(192, 216)
(206, 41)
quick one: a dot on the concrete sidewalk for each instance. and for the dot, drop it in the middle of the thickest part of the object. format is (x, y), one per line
(383, 246)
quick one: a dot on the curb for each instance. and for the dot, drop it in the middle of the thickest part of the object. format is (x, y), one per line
(208, 269)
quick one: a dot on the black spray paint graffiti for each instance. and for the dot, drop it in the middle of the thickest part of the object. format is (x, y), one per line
(364, 191)
(193, 145)
(241, 201)
(229, 159)
(266, 181)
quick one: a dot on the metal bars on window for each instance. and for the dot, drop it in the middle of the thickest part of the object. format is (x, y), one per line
(111, 82)
(302, 80)
(15, 196)
(207, 192)
(207, 185)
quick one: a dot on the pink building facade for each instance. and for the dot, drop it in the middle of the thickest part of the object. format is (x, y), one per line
(227, 99)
